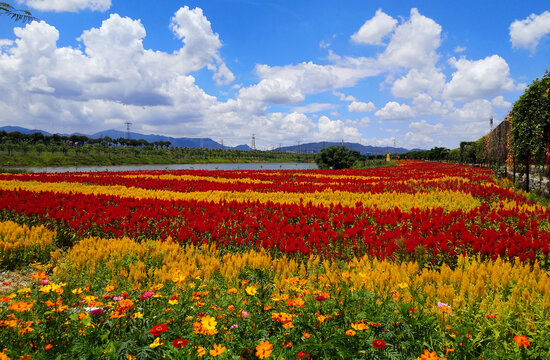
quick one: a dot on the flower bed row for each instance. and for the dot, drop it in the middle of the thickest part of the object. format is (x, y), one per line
(187, 305)
(331, 231)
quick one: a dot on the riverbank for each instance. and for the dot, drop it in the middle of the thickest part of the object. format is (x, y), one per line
(111, 156)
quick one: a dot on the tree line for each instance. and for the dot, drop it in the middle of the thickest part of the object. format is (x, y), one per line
(518, 144)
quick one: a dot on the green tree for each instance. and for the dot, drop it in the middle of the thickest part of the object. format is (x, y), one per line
(16, 14)
(531, 123)
(337, 157)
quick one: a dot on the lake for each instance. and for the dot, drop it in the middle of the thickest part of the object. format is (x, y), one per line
(223, 166)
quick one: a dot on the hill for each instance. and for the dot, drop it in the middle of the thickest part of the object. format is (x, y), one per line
(315, 148)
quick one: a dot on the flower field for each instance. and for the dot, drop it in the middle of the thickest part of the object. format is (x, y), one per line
(420, 260)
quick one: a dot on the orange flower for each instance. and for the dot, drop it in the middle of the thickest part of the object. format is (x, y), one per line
(200, 351)
(39, 275)
(217, 350)
(359, 326)
(232, 291)
(264, 349)
(307, 335)
(21, 306)
(522, 340)
(48, 347)
(350, 332)
(429, 356)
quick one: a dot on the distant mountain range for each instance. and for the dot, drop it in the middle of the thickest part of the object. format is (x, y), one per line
(208, 143)
(363, 149)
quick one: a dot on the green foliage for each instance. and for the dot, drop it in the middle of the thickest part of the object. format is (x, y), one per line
(16, 14)
(436, 153)
(337, 157)
(531, 120)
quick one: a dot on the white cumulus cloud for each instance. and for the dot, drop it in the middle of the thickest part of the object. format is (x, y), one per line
(290, 84)
(478, 79)
(499, 102)
(429, 80)
(359, 106)
(477, 110)
(528, 32)
(68, 5)
(395, 111)
(413, 44)
(375, 29)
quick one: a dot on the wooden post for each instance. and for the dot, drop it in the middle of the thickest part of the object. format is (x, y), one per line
(514, 176)
(527, 171)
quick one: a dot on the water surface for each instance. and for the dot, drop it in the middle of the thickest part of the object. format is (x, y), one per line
(223, 166)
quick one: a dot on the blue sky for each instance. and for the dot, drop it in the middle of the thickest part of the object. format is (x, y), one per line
(416, 74)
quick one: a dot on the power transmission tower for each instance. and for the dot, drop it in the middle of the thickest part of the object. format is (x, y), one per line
(253, 142)
(127, 123)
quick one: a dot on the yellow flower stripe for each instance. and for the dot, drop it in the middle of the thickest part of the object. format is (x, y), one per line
(197, 178)
(448, 200)
(14, 236)
(497, 286)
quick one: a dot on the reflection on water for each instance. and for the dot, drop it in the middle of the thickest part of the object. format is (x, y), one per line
(225, 166)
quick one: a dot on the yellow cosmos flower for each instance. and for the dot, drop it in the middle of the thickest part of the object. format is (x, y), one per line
(137, 315)
(209, 323)
(45, 289)
(156, 343)
(251, 290)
